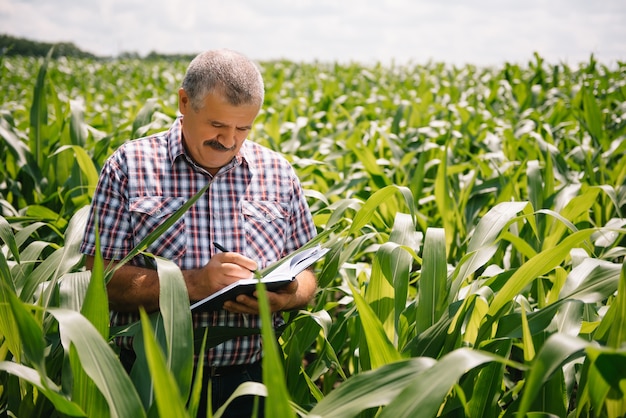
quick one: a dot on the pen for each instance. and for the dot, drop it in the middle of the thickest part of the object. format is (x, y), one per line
(220, 247)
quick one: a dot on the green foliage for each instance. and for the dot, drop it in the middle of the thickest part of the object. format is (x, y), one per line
(475, 218)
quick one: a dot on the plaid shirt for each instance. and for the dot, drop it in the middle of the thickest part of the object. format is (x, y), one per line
(255, 206)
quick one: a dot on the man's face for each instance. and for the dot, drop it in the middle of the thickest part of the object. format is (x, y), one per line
(214, 133)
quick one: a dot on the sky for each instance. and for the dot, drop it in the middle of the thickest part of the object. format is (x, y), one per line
(458, 32)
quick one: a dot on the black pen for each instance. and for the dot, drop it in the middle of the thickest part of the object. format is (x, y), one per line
(220, 247)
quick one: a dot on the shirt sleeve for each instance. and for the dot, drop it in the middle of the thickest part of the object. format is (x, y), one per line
(109, 213)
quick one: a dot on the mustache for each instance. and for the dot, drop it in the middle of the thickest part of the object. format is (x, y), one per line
(216, 145)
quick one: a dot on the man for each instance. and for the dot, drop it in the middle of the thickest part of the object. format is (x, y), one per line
(255, 207)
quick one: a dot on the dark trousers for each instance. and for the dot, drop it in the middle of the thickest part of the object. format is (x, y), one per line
(224, 381)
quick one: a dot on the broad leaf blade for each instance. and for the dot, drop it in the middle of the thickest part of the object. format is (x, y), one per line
(166, 392)
(277, 403)
(100, 363)
(432, 283)
(380, 348)
(174, 307)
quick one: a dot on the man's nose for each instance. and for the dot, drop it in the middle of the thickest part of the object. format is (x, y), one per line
(227, 137)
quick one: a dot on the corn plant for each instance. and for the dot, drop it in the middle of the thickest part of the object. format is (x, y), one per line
(477, 264)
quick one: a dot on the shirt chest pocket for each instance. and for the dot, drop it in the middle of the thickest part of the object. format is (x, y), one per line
(267, 226)
(150, 213)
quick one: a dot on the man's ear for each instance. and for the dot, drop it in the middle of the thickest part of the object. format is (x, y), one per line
(183, 101)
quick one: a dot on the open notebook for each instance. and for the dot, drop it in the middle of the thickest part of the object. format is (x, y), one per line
(279, 274)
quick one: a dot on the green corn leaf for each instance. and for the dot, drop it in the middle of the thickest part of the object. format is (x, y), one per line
(95, 310)
(591, 281)
(196, 388)
(380, 348)
(432, 341)
(77, 128)
(248, 389)
(369, 389)
(432, 284)
(42, 273)
(429, 388)
(30, 333)
(6, 235)
(168, 398)
(487, 386)
(368, 209)
(142, 121)
(324, 322)
(100, 363)
(592, 115)
(84, 161)
(400, 262)
(604, 383)
(617, 332)
(61, 262)
(96, 306)
(8, 325)
(84, 391)
(370, 163)
(483, 244)
(277, 403)
(536, 266)
(380, 292)
(73, 288)
(527, 340)
(479, 308)
(174, 307)
(558, 349)
(575, 208)
(39, 113)
(510, 326)
(535, 183)
(442, 196)
(46, 386)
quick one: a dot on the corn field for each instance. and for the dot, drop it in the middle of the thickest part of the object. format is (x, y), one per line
(476, 220)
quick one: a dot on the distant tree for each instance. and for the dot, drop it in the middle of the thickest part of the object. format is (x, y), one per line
(153, 55)
(129, 55)
(10, 45)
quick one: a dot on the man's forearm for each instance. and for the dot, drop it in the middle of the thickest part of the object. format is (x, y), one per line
(131, 287)
(307, 286)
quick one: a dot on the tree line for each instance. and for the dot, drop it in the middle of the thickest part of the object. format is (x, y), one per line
(14, 46)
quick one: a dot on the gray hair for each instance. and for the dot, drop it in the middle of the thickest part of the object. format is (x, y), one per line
(230, 72)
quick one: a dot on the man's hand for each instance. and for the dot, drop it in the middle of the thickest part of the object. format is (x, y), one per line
(222, 270)
(278, 300)
(296, 294)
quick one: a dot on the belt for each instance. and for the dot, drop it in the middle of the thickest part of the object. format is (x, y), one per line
(216, 371)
